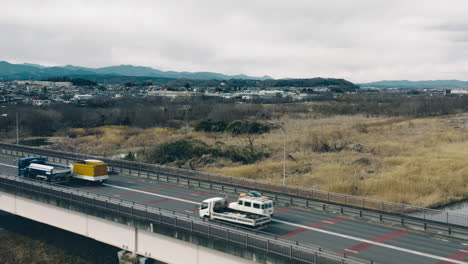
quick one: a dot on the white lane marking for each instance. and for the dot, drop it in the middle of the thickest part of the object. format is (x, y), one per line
(149, 193)
(8, 165)
(372, 242)
(464, 244)
(355, 252)
(302, 226)
(328, 222)
(466, 251)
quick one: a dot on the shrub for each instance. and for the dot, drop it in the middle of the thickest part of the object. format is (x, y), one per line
(183, 149)
(186, 149)
(210, 126)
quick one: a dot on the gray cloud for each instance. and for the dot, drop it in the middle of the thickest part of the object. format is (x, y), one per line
(361, 40)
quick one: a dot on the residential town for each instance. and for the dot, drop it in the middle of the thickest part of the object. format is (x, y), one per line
(42, 93)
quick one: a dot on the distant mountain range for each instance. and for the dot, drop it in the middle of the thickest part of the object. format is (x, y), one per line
(28, 71)
(417, 84)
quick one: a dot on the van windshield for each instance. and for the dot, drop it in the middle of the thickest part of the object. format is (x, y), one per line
(204, 206)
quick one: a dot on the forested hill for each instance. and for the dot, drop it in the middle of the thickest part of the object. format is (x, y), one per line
(231, 83)
(280, 84)
(28, 71)
(418, 84)
(148, 76)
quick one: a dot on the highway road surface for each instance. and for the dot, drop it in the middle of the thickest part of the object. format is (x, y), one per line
(341, 234)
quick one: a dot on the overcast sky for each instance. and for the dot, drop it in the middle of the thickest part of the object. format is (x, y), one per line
(359, 40)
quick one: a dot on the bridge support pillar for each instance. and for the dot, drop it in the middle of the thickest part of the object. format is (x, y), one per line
(126, 257)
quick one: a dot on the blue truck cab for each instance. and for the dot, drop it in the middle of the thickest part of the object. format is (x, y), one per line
(39, 168)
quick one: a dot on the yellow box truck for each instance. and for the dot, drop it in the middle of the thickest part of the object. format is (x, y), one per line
(90, 170)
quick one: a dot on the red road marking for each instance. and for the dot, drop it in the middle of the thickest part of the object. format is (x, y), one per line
(136, 181)
(281, 210)
(146, 190)
(180, 196)
(191, 210)
(92, 187)
(381, 239)
(316, 225)
(460, 255)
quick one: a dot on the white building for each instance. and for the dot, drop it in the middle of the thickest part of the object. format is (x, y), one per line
(82, 97)
(63, 84)
(41, 102)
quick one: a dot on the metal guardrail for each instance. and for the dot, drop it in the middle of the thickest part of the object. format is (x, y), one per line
(315, 255)
(425, 218)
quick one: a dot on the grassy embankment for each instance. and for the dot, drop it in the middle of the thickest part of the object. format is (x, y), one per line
(409, 160)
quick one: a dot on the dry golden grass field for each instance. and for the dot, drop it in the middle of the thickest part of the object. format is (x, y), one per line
(419, 161)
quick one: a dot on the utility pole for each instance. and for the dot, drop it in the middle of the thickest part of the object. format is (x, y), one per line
(284, 155)
(17, 129)
(284, 150)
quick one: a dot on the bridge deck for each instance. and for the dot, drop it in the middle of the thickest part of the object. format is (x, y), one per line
(383, 244)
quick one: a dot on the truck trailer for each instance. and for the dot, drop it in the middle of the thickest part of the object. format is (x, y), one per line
(218, 209)
(90, 170)
(40, 168)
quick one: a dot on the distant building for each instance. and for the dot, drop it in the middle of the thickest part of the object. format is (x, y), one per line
(456, 92)
(82, 97)
(40, 102)
(63, 84)
(172, 94)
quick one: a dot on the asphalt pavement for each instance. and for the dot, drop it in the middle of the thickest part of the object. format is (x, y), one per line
(341, 234)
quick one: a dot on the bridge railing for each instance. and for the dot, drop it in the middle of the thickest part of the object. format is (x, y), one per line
(306, 254)
(425, 215)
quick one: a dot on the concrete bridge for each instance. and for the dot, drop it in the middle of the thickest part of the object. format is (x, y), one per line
(154, 215)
